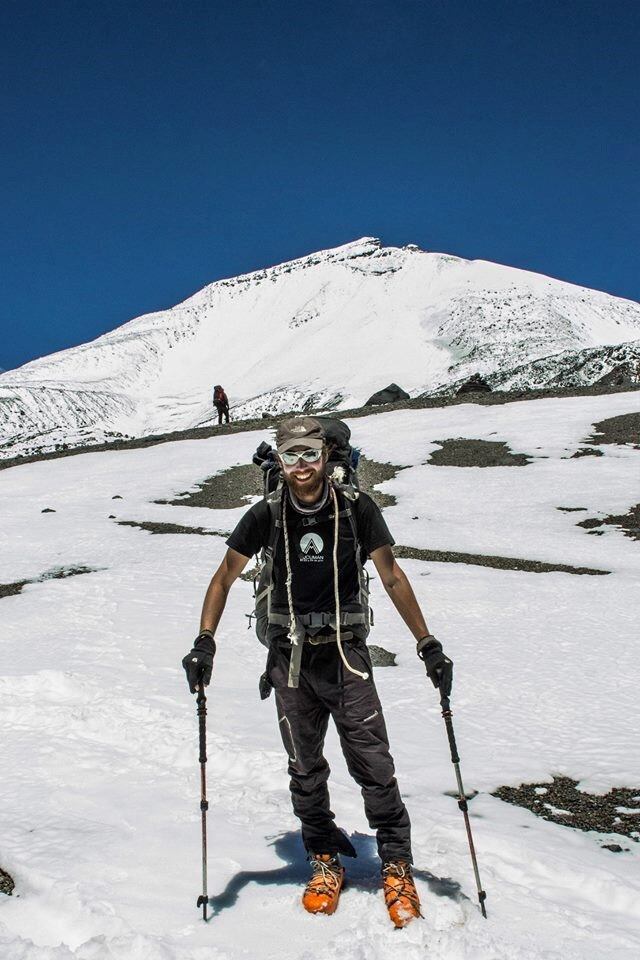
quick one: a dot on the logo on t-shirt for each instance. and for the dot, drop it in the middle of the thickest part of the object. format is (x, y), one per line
(311, 547)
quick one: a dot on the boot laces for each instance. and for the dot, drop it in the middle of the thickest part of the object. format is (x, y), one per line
(326, 875)
(393, 892)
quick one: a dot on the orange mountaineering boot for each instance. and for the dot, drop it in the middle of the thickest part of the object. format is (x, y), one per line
(322, 892)
(400, 894)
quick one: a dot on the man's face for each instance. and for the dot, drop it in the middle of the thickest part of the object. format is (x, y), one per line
(305, 480)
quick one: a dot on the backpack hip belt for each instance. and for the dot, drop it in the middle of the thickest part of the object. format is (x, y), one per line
(318, 620)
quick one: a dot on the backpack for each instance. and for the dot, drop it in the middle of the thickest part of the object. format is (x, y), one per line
(342, 471)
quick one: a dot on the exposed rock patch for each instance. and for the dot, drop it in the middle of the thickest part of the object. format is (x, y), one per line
(587, 452)
(60, 573)
(629, 522)
(476, 453)
(151, 527)
(500, 563)
(561, 802)
(7, 884)
(622, 429)
(224, 491)
(371, 473)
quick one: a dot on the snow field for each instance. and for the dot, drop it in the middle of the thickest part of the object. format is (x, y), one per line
(100, 785)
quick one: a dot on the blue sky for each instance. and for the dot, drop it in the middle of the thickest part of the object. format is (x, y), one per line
(150, 148)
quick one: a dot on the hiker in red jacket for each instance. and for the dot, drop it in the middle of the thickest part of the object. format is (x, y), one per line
(221, 403)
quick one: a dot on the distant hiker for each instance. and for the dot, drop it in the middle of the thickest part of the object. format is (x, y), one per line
(221, 403)
(316, 533)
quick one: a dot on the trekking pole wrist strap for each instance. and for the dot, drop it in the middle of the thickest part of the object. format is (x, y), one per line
(426, 642)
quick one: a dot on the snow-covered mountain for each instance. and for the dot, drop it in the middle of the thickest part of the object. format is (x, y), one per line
(326, 330)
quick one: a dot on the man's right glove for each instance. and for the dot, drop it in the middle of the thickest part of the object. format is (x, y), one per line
(198, 663)
(439, 667)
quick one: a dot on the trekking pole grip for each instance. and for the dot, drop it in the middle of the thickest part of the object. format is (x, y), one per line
(448, 722)
(202, 723)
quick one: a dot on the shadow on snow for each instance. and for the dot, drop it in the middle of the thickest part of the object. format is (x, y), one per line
(362, 873)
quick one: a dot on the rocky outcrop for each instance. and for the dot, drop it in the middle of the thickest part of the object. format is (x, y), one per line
(390, 394)
(475, 384)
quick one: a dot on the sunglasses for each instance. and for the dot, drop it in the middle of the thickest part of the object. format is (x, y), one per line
(309, 456)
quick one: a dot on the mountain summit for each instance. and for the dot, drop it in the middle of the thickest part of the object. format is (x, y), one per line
(326, 330)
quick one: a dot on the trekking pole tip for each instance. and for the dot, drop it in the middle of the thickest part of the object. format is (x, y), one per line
(482, 896)
(202, 902)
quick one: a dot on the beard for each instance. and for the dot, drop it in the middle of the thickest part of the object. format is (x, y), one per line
(308, 491)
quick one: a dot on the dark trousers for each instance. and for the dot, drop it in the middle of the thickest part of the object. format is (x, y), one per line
(223, 411)
(327, 689)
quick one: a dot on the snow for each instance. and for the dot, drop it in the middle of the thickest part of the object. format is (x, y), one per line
(100, 787)
(424, 320)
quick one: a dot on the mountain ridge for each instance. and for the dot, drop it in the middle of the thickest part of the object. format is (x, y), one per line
(285, 337)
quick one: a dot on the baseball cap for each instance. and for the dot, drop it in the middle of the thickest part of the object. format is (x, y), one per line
(299, 432)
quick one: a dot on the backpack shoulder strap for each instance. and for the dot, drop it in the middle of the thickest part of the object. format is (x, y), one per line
(263, 584)
(350, 511)
(274, 504)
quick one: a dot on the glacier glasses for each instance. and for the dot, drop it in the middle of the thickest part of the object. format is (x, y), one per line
(308, 456)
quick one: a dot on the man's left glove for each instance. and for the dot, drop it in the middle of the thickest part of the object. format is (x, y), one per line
(198, 663)
(439, 667)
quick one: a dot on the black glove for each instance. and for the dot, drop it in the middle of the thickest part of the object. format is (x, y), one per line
(198, 663)
(439, 667)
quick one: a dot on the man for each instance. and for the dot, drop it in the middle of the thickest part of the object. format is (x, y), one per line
(221, 403)
(318, 661)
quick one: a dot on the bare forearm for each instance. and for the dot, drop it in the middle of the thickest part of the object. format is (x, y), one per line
(404, 600)
(215, 599)
(214, 603)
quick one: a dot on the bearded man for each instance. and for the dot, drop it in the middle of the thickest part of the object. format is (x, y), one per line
(318, 662)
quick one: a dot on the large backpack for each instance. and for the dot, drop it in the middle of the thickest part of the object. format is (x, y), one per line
(342, 471)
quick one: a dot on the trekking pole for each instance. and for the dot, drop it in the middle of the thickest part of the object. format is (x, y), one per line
(462, 800)
(203, 900)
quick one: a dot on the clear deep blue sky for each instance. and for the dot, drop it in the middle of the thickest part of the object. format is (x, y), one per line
(150, 148)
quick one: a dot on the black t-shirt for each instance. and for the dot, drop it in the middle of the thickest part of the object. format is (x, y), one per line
(311, 539)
